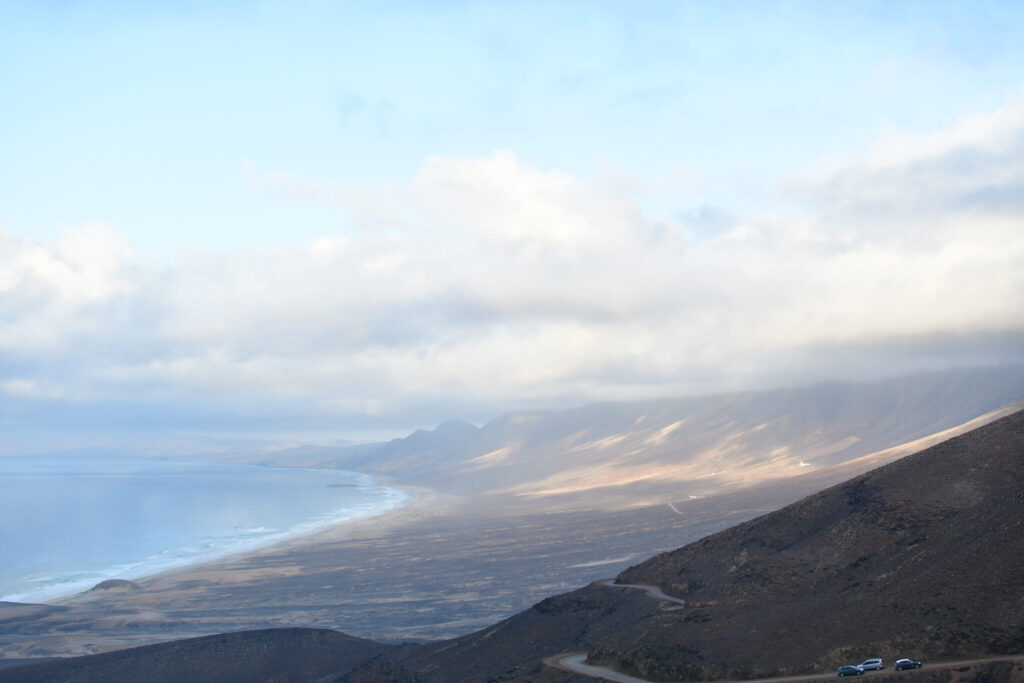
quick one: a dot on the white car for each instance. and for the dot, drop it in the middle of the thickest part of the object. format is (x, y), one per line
(872, 664)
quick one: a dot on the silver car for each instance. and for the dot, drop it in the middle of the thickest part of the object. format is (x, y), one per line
(872, 664)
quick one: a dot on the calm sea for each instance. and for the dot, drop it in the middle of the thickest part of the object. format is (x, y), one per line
(67, 523)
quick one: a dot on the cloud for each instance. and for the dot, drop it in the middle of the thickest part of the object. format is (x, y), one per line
(490, 282)
(86, 266)
(923, 233)
(49, 293)
(515, 206)
(27, 388)
(975, 167)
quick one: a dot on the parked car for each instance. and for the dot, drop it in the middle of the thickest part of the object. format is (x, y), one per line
(902, 664)
(872, 664)
(850, 671)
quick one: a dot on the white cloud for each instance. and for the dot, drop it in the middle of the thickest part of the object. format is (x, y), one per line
(516, 206)
(86, 266)
(909, 184)
(51, 292)
(507, 284)
(28, 388)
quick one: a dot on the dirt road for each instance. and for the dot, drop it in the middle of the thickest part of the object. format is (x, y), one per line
(575, 662)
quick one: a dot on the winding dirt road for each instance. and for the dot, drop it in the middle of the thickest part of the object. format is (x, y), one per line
(653, 591)
(575, 662)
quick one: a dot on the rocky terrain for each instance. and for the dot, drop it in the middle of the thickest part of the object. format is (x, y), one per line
(612, 455)
(280, 655)
(917, 558)
(921, 557)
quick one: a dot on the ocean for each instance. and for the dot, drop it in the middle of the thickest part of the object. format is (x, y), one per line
(68, 523)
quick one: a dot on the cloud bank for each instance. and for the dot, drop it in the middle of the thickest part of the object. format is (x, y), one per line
(492, 283)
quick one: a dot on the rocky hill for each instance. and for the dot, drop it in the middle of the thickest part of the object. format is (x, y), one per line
(919, 558)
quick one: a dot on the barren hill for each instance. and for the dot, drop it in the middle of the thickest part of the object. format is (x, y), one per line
(919, 558)
(280, 655)
(623, 454)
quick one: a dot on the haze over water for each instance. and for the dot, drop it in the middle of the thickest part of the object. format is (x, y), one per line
(67, 523)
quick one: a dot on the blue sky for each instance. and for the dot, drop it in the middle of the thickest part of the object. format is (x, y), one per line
(353, 214)
(155, 120)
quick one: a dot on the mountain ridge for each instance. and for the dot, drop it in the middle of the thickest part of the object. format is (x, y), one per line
(769, 619)
(668, 449)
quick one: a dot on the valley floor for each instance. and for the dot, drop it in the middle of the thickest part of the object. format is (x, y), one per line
(434, 569)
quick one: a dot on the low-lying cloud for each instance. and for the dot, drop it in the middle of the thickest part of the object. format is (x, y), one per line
(489, 281)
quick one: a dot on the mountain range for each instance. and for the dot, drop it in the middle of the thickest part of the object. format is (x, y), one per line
(920, 558)
(624, 454)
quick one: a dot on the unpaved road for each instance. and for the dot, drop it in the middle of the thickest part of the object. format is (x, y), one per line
(575, 662)
(653, 591)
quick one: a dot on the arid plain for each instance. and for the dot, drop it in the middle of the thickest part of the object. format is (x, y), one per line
(478, 545)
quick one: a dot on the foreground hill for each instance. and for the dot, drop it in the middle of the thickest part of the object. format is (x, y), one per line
(280, 655)
(919, 558)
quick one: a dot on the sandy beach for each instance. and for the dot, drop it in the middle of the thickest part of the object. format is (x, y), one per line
(437, 567)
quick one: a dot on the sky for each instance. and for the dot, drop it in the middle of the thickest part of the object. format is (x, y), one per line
(317, 221)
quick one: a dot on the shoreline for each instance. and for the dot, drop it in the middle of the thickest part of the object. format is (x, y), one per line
(418, 504)
(405, 497)
(421, 503)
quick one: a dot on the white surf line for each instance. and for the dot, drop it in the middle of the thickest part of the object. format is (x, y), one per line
(598, 563)
(653, 591)
(674, 508)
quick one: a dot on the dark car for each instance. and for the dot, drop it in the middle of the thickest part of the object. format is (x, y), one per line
(902, 664)
(876, 664)
(850, 671)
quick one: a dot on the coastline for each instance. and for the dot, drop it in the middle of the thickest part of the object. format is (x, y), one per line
(420, 504)
(410, 574)
(417, 505)
(280, 584)
(64, 587)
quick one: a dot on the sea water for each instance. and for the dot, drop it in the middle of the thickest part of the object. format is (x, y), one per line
(67, 523)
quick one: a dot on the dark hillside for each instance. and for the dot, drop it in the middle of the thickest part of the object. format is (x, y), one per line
(283, 655)
(922, 557)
